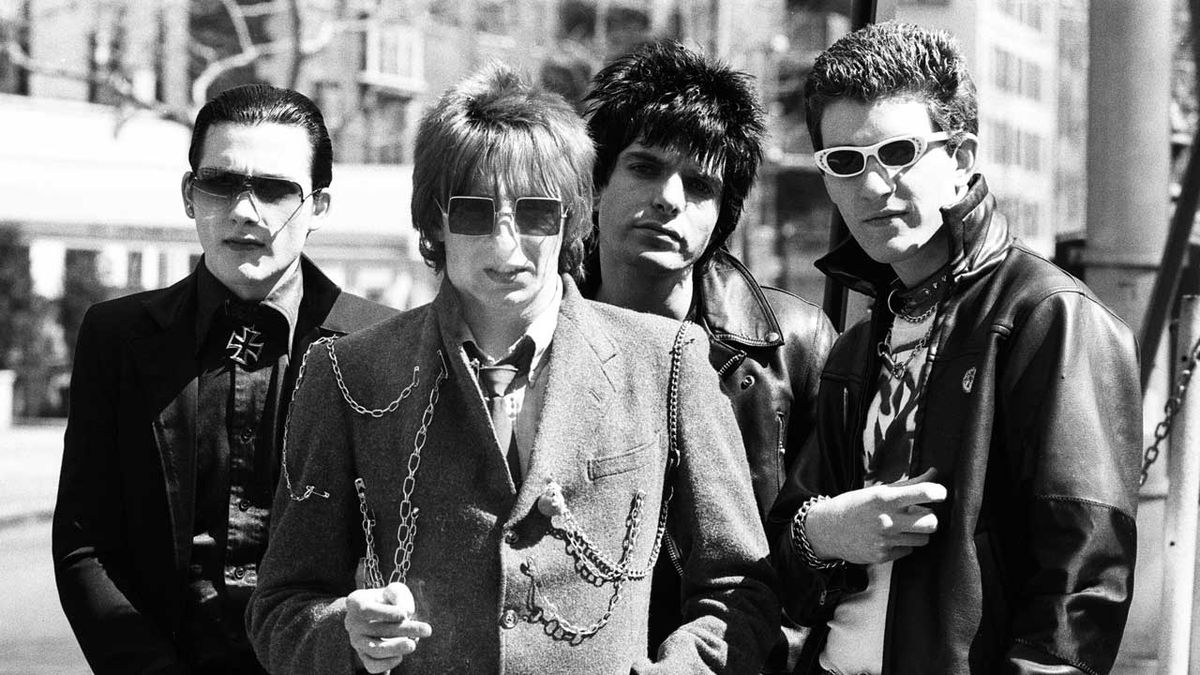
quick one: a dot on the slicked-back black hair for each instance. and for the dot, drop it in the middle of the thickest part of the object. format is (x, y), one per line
(667, 95)
(495, 129)
(253, 104)
(893, 59)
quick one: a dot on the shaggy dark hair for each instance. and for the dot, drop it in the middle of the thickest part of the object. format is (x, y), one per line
(669, 96)
(895, 60)
(253, 104)
(496, 129)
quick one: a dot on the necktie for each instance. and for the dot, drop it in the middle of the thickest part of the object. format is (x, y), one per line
(496, 381)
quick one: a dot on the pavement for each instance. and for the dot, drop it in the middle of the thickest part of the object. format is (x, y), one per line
(30, 456)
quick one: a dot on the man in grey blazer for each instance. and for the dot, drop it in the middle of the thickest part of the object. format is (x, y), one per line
(428, 525)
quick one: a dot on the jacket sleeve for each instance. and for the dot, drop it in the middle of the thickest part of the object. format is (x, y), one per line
(295, 616)
(809, 595)
(91, 559)
(729, 604)
(806, 354)
(1072, 391)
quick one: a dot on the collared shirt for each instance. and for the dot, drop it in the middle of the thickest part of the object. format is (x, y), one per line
(528, 396)
(238, 420)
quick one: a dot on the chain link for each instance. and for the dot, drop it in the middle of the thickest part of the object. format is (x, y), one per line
(358, 407)
(309, 490)
(1174, 403)
(374, 579)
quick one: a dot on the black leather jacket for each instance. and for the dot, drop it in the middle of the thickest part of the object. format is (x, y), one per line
(1032, 417)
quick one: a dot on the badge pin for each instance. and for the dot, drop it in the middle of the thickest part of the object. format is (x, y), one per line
(968, 380)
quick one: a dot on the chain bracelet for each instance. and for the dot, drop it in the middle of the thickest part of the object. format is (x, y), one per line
(358, 407)
(1170, 409)
(309, 490)
(406, 531)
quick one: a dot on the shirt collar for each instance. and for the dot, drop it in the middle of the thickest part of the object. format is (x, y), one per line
(540, 331)
(211, 294)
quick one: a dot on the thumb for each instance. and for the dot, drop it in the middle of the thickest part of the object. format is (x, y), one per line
(926, 476)
(397, 594)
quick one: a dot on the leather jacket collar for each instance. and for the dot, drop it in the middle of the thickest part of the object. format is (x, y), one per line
(731, 305)
(979, 239)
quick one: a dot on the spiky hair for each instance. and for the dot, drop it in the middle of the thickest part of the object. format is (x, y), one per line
(495, 130)
(894, 59)
(667, 95)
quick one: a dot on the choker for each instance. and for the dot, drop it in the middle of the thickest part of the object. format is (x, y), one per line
(915, 305)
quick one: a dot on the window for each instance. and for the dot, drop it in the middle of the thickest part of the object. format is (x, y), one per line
(1016, 75)
(395, 56)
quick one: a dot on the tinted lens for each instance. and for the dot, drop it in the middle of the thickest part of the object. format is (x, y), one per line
(898, 153)
(471, 215)
(538, 216)
(219, 184)
(276, 191)
(845, 162)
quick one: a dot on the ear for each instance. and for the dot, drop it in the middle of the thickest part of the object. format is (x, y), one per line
(965, 156)
(322, 201)
(185, 189)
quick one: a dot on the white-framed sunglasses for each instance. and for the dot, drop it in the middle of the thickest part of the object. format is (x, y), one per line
(898, 152)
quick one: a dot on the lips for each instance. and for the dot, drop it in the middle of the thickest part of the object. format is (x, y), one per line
(244, 244)
(884, 216)
(505, 275)
(658, 228)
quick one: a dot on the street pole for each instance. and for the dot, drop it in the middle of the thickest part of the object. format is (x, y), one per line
(1182, 511)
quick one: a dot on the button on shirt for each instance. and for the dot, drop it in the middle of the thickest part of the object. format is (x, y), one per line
(238, 421)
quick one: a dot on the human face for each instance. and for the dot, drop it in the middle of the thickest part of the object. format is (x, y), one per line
(504, 273)
(894, 214)
(249, 246)
(658, 210)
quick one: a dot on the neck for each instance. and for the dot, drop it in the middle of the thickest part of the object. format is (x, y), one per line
(930, 258)
(668, 294)
(257, 291)
(496, 329)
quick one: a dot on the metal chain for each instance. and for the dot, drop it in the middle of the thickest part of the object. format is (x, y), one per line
(539, 608)
(309, 490)
(374, 578)
(358, 407)
(406, 531)
(1174, 403)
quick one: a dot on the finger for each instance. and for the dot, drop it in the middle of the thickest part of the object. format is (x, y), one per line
(373, 665)
(390, 629)
(925, 523)
(908, 540)
(896, 553)
(918, 493)
(926, 476)
(374, 612)
(385, 648)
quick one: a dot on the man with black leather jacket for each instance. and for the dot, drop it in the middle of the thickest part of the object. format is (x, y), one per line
(971, 507)
(679, 141)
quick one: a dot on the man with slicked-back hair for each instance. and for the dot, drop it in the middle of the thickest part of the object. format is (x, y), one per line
(178, 397)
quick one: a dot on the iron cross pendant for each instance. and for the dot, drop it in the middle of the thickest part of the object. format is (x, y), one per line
(244, 347)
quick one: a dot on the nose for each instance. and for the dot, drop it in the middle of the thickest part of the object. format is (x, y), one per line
(670, 197)
(506, 232)
(876, 179)
(243, 210)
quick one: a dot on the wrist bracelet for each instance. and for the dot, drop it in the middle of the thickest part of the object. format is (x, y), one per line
(800, 541)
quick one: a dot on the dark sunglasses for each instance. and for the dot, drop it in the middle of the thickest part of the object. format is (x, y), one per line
(899, 152)
(536, 216)
(268, 191)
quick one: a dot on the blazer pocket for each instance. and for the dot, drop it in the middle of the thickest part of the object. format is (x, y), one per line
(611, 465)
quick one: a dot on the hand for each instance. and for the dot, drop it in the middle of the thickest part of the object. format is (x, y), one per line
(379, 623)
(875, 524)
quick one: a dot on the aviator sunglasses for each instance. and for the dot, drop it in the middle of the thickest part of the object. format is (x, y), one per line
(898, 152)
(276, 193)
(537, 216)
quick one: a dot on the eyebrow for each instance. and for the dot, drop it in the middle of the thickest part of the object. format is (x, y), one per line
(713, 179)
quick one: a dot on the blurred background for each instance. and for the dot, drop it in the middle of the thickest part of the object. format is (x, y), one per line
(1087, 112)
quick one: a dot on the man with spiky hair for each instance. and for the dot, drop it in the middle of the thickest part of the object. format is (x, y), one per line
(679, 140)
(971, 508)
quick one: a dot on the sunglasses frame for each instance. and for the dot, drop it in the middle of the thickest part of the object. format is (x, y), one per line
(563, 214)
(921, 143)
(247, 187)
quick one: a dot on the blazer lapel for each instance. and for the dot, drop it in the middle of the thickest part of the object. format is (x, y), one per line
(578, 391)
(165, 365)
